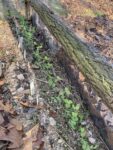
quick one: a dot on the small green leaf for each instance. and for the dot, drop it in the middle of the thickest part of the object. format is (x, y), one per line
(85, 145)
(46, 58)
(61, 93)
(77, 107)
(82, 132)
(67, 103)
(73, 124)
(74, 114)
(67, 91)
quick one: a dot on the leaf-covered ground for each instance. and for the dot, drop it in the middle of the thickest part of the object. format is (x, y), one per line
(92, 21)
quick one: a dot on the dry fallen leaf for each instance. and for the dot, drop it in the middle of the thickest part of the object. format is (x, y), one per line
(7, 107)
(28, 143)
(25, 104)
(17, 124)
(38, 143)
(2, 82)
(81, 77)
(33, 139)
(11, 135)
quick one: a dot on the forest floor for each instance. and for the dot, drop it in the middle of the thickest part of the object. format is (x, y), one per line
(37, 101)
(92, 21)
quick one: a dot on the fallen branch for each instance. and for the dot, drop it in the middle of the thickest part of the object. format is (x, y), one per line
(92, 66)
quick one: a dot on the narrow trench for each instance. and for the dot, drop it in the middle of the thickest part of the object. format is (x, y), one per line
(69, 80)
(60, 69)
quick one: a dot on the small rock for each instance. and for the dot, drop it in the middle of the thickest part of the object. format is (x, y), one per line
(109, 118)
(30, 98)
(20, 77)
(107, 38)
(83, 123)
(52, 121)
(7, 52)
(103, 107)
(32, 110)
(21, 89)
(89, 133)
(60, 141)
(92, 140)
(43, 118)
(13, 76)
(98, 98)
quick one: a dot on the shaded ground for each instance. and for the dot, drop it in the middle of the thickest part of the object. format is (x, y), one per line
(92, 21)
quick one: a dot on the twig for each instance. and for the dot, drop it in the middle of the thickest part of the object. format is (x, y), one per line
(42, 81)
